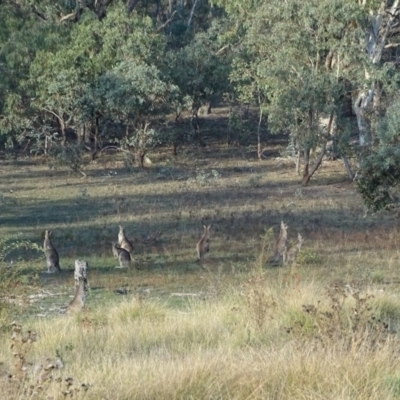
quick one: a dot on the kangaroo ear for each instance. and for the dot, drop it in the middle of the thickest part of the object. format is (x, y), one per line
(205, 228)
(208, 227)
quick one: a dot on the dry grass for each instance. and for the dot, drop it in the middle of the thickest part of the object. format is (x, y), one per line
(234, 329)
(143, 349)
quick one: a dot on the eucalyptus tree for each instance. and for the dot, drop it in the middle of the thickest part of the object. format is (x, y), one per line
(93, 85)
(296, 60)
(377, 109)
(62, 79)
(135, 94)
(378, 181)
(381, 38)
(201, 71)
(25, 30)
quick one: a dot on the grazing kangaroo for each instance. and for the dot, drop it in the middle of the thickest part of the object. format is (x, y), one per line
(52, 259)
(78, 302)
(203, 245)
(123, 241)
(80, 270)
(280, 244)
(290, 255)
(122, 255)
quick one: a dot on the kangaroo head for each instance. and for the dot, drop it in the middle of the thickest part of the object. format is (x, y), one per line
(121, 228)
(206, 230)
(47, 234)
(283, 226)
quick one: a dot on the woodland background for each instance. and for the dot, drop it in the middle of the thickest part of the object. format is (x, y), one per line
(103, 75)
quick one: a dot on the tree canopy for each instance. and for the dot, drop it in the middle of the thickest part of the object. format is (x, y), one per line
(108, 72)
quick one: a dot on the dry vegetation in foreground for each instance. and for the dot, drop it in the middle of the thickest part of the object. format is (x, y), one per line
(325, 328)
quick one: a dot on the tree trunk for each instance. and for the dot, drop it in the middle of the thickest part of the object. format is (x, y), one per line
(347, 165)
(381, 27)
(191, 15)
(362, 105)
(194, 122)
(140, 156)
(306, 166)
(63, 135)
(308, 175)
(96, 134)
(298, 162)
(259, 152)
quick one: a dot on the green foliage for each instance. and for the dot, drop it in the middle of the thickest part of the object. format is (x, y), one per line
(22, 36)
(197, 69)
(308, 257)
(204, 178)
(238, 130)
(109, 72)
(13, 277)
(134, 91)
(280, 65)
(12, 245)
(71, 156)
(379, 175)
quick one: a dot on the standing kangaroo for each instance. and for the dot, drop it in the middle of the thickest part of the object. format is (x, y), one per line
(290, 255)
(52, 259)
(122, 255)
(123, 241)
(203, 245)
(280, 244)
(78, 302)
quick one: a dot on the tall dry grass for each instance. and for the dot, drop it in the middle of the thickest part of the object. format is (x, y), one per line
(221, 348)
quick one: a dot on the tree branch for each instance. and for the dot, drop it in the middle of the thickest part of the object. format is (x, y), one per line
(191, 15)
(68, 16)
(38, 14)
(55, 114)
(167, 22)
(222, 49)
(390, 45)
(378, 50)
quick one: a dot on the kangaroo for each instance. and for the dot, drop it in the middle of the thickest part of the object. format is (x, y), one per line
(203, 245)
(290, 255)
(123, 241)
(80, 270)
(122, 255)
(52, 259)
(280, 244)
(78, 302)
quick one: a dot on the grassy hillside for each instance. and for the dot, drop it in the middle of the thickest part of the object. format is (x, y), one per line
(234, 328)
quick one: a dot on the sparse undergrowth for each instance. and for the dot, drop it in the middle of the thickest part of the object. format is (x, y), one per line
(42, 378)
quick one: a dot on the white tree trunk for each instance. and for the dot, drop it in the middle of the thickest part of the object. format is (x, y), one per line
(381, 25)
(362, 104)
